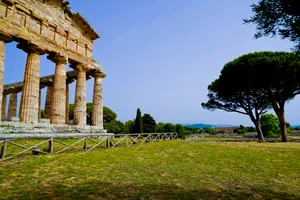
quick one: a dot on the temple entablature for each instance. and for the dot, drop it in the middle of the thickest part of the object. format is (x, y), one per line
(50, 27)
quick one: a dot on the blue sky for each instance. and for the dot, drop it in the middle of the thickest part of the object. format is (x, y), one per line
(160, 55)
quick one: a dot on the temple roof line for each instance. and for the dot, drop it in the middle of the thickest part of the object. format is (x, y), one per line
(81, 21)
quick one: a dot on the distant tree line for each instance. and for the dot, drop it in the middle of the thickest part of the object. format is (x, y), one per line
(239, 130)
(141, 124)
(147, 124)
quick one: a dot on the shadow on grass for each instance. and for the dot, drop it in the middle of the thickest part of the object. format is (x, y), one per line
(100, 190)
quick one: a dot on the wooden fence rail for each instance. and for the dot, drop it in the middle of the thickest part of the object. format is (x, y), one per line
(58, 143)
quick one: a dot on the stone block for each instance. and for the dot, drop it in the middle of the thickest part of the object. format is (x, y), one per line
(45, 121)
(2, 9)
(14, 119)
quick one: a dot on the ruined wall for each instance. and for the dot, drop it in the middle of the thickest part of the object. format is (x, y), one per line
(45, 22)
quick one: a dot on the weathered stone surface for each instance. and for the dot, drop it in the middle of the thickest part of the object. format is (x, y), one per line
(13, 104)
(67, 105)
(46, 127)
(31, 90)
(45, 121)
(20, 106)
(3, 107)
(97, 110)
(14, 119)
(51, 26)
(2, 61)
(48, 102)
(58, 114)
(40, 99)
(44, 82)
(80, 97)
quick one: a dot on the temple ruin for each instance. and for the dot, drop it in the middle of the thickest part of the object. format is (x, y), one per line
(50, 27)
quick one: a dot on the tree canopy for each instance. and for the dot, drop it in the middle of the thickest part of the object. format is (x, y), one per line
(277, 17)
(149, 123)
(115, 126)
(235, 91)
(89, 108)
(269, 125)
(108, 114)
(129, 126)
(180, 130)
(169, 127)
(160, 127)
(252, 82)
(138, 122)
(277, 75)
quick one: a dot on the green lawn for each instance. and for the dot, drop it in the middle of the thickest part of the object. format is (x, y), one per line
(165, 170)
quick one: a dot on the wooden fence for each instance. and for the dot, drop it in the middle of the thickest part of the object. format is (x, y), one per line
(59, 143)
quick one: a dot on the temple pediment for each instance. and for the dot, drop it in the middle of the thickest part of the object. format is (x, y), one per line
(84, 25)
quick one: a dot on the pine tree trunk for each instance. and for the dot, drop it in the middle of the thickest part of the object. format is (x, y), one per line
(259, 132)
(256, 122)
(279, 110)
(282, 123)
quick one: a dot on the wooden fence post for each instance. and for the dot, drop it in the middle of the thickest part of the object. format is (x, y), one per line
(50, 148)
(107, 143)
(126, 140)
(3, 149)
(85, 147)
(139, 138)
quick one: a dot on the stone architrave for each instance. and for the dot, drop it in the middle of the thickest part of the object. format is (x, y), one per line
(48, 102)
(97, 110)
(3, 114)
(80, 96)
(58, 113)
(67, 104)
(29, 112)
(13, 104)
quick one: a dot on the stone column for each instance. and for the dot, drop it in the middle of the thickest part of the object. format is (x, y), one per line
(2, 63)
(4, 97)
(97, 110)
(29, 112)
(20, 107)
(13, 104)
(40, 97)
(80, 96)
(48, 102)
(3, 40)
(58, 113)
(67, 105)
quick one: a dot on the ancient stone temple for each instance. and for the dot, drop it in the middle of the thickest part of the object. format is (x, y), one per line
(50, 27)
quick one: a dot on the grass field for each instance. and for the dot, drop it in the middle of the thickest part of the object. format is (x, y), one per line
(165, 170)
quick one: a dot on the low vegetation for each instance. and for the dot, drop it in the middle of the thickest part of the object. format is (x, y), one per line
(166, 170)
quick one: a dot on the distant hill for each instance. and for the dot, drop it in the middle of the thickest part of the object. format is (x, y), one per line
(208, 125)
(295, 126)
(219, 125)
(199, 125)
